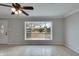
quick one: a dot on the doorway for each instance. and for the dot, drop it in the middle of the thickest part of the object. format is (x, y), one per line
(3, 32)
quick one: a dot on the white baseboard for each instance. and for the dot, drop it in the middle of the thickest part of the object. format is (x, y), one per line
(73, 49)
(33, 44)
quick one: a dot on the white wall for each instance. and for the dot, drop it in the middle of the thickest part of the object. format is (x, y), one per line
(16, 30)
(72, 32)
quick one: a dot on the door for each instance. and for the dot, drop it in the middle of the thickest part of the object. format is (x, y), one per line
(3, 32)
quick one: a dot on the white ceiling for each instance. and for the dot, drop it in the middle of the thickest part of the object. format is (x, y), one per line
(42, 9)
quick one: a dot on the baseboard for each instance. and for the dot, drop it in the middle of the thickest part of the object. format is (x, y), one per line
(33, 44)
(71, 49)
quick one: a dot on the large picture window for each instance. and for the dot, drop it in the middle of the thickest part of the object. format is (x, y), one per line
(38, 30)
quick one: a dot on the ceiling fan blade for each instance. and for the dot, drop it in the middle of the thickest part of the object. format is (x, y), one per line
(28, 7)
(25, 12)
(12, 13)
(5, 5)
(16, 5)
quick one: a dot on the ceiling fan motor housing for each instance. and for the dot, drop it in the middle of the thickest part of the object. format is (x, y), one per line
(16, 6)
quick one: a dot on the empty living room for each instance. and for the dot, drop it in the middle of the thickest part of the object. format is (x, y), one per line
(39, 29)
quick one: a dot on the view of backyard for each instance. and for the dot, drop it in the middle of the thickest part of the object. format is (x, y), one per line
(38, 30)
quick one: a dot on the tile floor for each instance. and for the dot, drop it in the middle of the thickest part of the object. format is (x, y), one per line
(35, 50)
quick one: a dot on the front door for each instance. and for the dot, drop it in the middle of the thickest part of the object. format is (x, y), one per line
(3, 32)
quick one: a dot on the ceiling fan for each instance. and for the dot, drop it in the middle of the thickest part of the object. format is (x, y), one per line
(17, 8)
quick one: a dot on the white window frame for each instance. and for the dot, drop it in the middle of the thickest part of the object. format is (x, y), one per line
(25, 37)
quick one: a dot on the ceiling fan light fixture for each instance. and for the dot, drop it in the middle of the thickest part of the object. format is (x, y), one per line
(19, 11)
(16, 12)
(13, 9)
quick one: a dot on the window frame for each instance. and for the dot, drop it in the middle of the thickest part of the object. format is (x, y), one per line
(25, 31)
